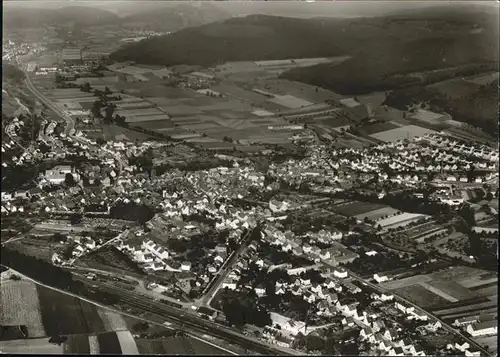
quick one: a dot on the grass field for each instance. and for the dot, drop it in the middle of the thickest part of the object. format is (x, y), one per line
(19, 305)
(420, 295)
(405, 132)
(64, 315)
(453, 289)
(38, 346)
(376, 214)
(399, 220)
(356, 208)
(490, 341)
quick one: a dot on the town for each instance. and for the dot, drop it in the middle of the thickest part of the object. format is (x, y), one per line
(257, 213)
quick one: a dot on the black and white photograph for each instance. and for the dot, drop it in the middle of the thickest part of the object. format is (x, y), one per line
(281, 178)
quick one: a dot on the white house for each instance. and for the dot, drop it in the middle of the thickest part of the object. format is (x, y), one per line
(380, 278)
(483, 328)
(186, 266)
(155, 249)
(340, 273)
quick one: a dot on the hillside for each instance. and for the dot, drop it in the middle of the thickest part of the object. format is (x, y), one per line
(254, 37)
(175, 17)
(388, 41)
(20, 18)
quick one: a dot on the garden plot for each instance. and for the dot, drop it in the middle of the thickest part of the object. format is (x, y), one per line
(19, 305)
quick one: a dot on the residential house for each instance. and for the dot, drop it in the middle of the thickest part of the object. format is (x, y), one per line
(316, 288)
(397, 351)
(462, 346)
(464, 321)
(324, 254)
(390, 334)
(260, 290)
(331, 297)
(340, 273)
(384, 345)
(380, 278)
(433, 326)
(229, 285)
(186, 266)
(472, 353)
(483, 328)
(400, 307)
(297, 290)
(365, 333)
(309, 297)
(348, 321)
(280, 291)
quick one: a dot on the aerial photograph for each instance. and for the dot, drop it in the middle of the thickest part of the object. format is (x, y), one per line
(250, 178)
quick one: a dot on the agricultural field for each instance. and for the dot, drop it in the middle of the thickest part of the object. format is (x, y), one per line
(177, 345)
(31, 347)
(115, 132)
(376, 214)
(355, 208)
(490, 341)
(401, 133)
(377, 128)
(20, 306)
(399, 220)
(420, 295)
(289, 101)
(65, 315)
(109, 343)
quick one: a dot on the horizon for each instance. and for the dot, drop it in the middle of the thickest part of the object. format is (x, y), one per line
(308, 9)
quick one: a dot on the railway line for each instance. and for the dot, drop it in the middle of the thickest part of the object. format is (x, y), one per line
(188, 321)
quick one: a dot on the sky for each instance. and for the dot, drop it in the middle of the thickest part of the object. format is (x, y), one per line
(347, 8)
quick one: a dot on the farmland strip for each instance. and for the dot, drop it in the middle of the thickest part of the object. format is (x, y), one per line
(109, 343)
(466, 302)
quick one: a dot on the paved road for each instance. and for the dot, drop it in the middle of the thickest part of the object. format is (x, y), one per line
(418, 308)
(224, 271)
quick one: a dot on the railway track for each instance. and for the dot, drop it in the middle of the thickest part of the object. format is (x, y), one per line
(186, 320)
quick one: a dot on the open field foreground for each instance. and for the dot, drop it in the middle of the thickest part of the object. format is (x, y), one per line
(20, 306)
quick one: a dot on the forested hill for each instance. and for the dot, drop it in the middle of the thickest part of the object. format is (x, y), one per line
(463, 35)
(254, 37)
